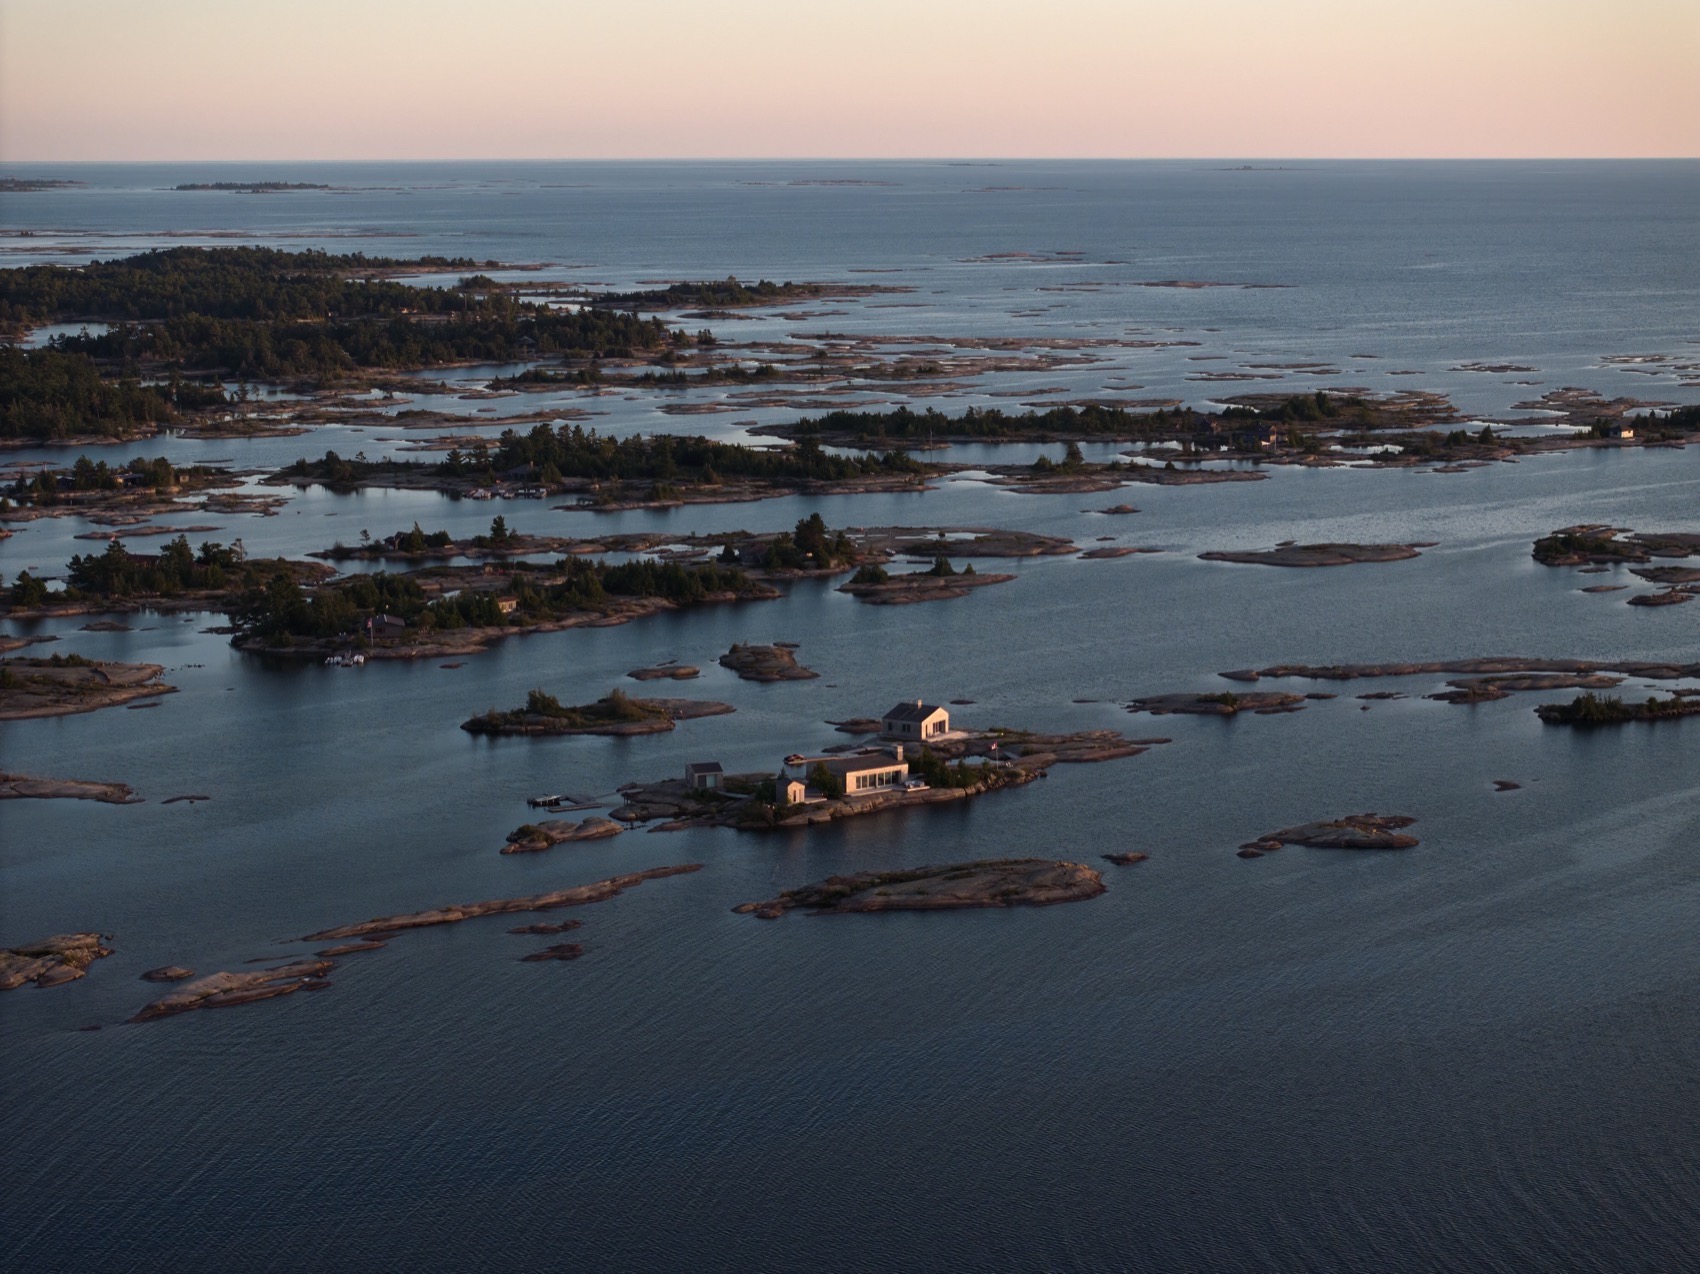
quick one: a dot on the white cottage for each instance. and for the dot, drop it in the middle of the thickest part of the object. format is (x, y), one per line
(915, 722)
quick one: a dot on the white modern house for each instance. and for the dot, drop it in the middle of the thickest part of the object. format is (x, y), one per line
(915, 722)
(864, 774)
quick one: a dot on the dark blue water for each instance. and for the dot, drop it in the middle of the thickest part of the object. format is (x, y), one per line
(1479, 1054)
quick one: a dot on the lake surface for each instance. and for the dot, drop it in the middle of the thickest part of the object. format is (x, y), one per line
(1482, 1053)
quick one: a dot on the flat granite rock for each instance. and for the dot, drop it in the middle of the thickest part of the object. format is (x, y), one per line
(168, 973)
(21, 786)
(223, 990)
(666, 672)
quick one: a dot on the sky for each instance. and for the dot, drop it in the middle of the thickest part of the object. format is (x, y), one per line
(85, 80)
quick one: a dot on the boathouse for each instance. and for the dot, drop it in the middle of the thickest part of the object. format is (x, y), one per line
(704, 776)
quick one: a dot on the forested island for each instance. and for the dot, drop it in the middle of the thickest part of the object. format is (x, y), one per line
(610, 474)
(461, 610)
(1589, 710)
(258, 314)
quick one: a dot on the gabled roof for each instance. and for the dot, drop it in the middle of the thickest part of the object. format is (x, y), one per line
(704, 767)
(912, 712)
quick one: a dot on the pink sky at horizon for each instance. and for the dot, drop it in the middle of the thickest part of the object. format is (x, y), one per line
(86, 80)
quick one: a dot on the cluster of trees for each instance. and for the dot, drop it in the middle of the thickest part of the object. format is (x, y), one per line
(810, 546)
(1073, 458)
(572, 451)
(174, 570)
(724, 294)
(937, 773)
(1589, 709)
(92, 475)
(1319, 406)
(417, 541)
(338, 471)
(282, 608)
(47, 394)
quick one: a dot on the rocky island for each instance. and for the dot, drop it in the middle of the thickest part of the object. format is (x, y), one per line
(66, 684)
(1000, 882)
(1302, 555)
(766, 663)
(532, 838)
(873, 584)
(576, 896)
(617, 715)
(1355, 831)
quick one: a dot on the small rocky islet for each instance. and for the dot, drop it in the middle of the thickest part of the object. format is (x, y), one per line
(532, 838)
(766, 663)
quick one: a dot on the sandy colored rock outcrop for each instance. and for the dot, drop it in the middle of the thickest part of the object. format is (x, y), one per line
(52, 961)
(224, 990)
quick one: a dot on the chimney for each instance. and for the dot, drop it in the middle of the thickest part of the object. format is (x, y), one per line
(917, 703)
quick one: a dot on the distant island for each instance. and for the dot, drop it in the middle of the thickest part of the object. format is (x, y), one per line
(23, 185)
(252, 187)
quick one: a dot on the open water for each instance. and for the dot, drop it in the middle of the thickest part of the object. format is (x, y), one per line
(1482, 1053)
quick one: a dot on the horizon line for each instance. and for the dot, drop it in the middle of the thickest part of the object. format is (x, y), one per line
(8, 163)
